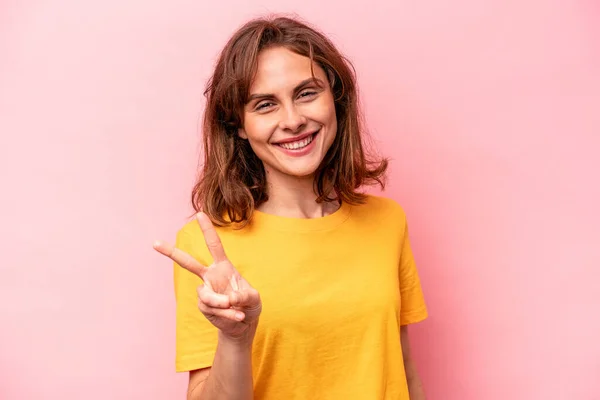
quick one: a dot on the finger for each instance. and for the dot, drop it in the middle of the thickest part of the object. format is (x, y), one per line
(247, 298)
(233, 281)
(229, 313)
(212, 299)
(213, 242)
(180, 257)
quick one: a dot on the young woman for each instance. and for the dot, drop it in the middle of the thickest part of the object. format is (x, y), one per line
(291, 283)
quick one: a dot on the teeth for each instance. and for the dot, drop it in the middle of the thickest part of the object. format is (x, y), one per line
(297, 145)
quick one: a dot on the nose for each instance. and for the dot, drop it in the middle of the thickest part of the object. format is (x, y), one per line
(292, 119)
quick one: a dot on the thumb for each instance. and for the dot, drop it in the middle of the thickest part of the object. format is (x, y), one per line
(246, 298)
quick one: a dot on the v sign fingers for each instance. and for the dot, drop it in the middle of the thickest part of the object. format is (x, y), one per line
(226, 299)
(181, 257)
(213, 242)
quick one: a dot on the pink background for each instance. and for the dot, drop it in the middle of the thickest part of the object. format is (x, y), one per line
(489, 109)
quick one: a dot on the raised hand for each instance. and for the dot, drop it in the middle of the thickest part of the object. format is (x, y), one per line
(226, 299)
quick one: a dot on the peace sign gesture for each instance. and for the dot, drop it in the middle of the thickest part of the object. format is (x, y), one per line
(226, 299)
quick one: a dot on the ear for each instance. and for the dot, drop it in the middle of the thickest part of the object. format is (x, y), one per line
(242, 133)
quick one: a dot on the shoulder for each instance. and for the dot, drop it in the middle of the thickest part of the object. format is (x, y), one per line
(380, 215)
(190, 239)
(379, 206)
(192, 230)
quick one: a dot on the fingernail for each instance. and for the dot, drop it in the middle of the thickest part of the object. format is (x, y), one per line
(239, 316)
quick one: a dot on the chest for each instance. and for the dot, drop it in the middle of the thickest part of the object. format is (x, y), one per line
(308, 286)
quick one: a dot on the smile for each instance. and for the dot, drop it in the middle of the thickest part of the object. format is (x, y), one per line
(298, 144)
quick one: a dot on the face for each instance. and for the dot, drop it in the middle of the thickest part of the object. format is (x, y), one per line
(290, 119)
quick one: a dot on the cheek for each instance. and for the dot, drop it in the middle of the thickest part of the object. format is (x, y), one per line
(332, 128)
(258, 129)
(326, 109)
(331, 119)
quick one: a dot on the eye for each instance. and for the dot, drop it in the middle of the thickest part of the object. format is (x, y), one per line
(307, 93)
(263, 105)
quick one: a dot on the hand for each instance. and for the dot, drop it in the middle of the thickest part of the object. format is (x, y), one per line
(226, 299)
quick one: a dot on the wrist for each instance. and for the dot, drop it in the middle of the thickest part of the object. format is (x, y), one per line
(242, 342)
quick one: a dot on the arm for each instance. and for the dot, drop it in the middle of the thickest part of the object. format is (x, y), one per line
(196, 383)
(232, 306)
(230, 376)
(415, 387)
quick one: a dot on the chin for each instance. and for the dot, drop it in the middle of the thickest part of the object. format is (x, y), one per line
(306, 170)
(300, 167)
(300, 173)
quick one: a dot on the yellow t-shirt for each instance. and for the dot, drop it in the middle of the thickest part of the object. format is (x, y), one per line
(335, 291)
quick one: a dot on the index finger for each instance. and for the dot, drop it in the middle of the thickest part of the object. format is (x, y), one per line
(213, 242)
(181, 257)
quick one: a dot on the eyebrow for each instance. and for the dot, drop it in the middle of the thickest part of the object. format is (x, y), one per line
(298, 87)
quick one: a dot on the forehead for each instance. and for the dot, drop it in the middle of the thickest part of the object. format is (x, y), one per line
(281, 69)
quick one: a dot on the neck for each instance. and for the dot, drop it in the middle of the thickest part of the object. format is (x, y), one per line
(295, 197)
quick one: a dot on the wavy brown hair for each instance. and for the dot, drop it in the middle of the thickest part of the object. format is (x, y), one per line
(232, 182)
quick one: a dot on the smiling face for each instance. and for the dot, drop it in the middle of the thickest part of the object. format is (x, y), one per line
(289, 120)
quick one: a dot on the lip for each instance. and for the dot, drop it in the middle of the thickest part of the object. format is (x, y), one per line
(302, 152)
(296, 138)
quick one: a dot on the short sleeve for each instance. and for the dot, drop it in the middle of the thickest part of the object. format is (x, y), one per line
(196, 337)
(412, 306)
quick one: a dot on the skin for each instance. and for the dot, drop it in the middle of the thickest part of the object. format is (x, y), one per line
(232, 305)
(286, 102)
(415, 386)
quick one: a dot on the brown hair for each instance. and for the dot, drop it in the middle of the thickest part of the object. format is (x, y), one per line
(232, 181)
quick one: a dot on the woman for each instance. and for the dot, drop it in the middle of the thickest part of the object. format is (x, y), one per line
(305, 286)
